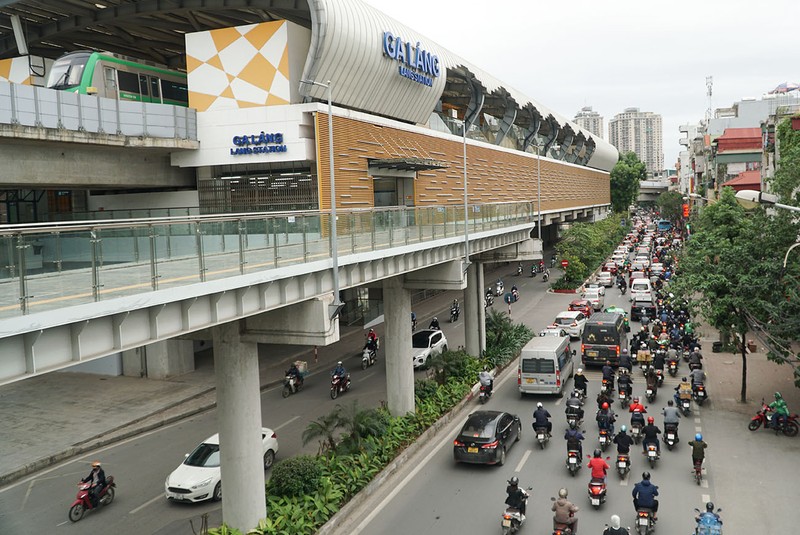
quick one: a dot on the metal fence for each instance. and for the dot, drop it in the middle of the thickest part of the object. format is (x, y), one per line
(51, 265)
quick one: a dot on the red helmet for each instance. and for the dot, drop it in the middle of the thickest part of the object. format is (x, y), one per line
(605, 405)
(650, 420)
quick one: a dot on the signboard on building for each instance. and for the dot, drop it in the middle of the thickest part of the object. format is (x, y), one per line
(416, 63)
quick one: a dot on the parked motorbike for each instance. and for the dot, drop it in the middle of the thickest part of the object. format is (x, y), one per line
(644, 521)
(652, 455)
(291, 385)
(597, 492)
(339, 384)
(623, 464)
(512, 519)
(573, 462)
(764, 417)
(699, 394)
(83, 502)
(542, 436)
(670, 435)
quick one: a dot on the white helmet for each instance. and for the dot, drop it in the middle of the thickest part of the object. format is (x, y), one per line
(562, 493)
(539, 405)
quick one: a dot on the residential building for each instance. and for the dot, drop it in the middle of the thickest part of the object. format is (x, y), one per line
(639, 132)
(591, 121)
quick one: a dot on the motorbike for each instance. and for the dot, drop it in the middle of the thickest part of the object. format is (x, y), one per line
(454, 313)
(672, 366)
(685, 406)
(650, 394)
(698, 471)
(764, 417)
(512, 519)
(545, 278)
(339, 384)
(604, 438)
(542, 436)
(574, 417)
(699, 394)
(489, 301)
(83, 502)
(624, 397)
(573, 462)
(607, 386)
(597, 492)
(636, 432)
(622, 288)
(485, 393)
(499, 287)
(660, 377)
(644, 521)
(413, 324)
(519, 269)
(291, 385)
(670, 435)
(623, 464)
(652, 455)
(533, 271)
(514, 295)
(368, 357)
(708, 524)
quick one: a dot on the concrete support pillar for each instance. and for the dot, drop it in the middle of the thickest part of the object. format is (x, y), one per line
(397, 341)
(239, 416)
(481, 309)
(473, 303)
(159, 360)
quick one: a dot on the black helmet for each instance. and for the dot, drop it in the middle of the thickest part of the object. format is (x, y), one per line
(597, 453)
(514, 481)
(646, 475)
(710, 507)
(670, 403)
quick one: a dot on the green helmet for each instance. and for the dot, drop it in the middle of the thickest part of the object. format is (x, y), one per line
(778, 396)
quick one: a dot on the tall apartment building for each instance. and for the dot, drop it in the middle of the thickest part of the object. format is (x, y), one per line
(640, 132)
(591, 121)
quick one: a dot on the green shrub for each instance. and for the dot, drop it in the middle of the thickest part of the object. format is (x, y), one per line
(424, 388)
(295, 476)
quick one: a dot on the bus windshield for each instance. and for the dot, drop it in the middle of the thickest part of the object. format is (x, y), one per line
(66, 72)
(664, 224)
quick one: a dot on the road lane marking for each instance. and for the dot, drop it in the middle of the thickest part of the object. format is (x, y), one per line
(706, 498)
(61, 524)
(624, 482)
(697, 420)
(704, 484)
(522, 462)
(27, 495)
(145, 504)
(364, 377)
(698, 429)
(284, 424)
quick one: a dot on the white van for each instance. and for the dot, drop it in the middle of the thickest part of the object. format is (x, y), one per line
(545, 364)
(641, 289)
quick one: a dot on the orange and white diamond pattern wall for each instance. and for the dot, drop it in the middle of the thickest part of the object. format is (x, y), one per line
(25, 70)
(244, 66)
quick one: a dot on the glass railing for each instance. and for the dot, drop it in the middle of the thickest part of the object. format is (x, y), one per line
(48, 266)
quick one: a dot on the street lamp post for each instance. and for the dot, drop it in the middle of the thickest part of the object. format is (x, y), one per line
(750, 199)
(336, 306)
(466, 213)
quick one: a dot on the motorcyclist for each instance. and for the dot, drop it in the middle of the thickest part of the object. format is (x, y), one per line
(434, 324)
(614, 528)
(486, 381)
(625, 382)
(672, 416)
(455, 307)
(598, 465)
(650, 435)
(695, 359)
(698, 377)
(709, 514)
(637, 411)
(97, 478)
(294, 373)
(659, 360)
(372, 341)
(541, 418)
(608, 374)
(339, 370)
(684, 389)
(625, 361)
(698, 450)
(514, 292)
(651, 379)
(623, 441)
(516, 497)
(581, 382)
(605, 418)
(780, 410)
(574, 439)
(564, 511)
(413, 320)
(644, 495)
(574, 406)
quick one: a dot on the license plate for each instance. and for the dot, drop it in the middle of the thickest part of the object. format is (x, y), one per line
(591, 353)
(649, 392)
(651, 453)
(622, 396)
(573, 460)
(621, 464)
(602, 439)
(472, 450)
(540, 436)
(643, 521)
(506, 522)
(670, 436)
(530, 381)
(595, 501)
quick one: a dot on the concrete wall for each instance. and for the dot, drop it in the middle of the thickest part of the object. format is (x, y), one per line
(141, 201)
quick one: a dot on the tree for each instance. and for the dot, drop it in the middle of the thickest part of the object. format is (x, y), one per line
(358, 425)
(670, 205)
(625, 178)
(323, 428)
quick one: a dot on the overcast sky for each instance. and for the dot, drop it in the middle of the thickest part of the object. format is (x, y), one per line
(650, 54)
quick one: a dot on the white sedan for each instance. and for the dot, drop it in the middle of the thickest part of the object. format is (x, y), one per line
(426, 344)
(198, 478)
(572, 321)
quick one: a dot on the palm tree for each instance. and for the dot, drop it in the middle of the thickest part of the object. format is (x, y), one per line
(323, 428)
(498, 326)
(358, 424)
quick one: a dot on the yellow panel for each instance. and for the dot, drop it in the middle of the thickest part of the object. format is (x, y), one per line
(5, 68)
(228, 93)
(273, 100)
(259, 72)
(224, 37)
(200, 101)
(283, 67)
(261, 33)
(192, 63)
(214, 61)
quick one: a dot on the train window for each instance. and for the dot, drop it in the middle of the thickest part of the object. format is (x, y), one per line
(110, 80)
(154, 91)
(174, 91)
(128, 82)
(143, 85)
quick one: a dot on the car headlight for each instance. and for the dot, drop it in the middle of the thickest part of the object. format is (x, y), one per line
(202, 484)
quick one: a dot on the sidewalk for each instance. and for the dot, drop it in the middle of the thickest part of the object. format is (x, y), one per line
(59, 415)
